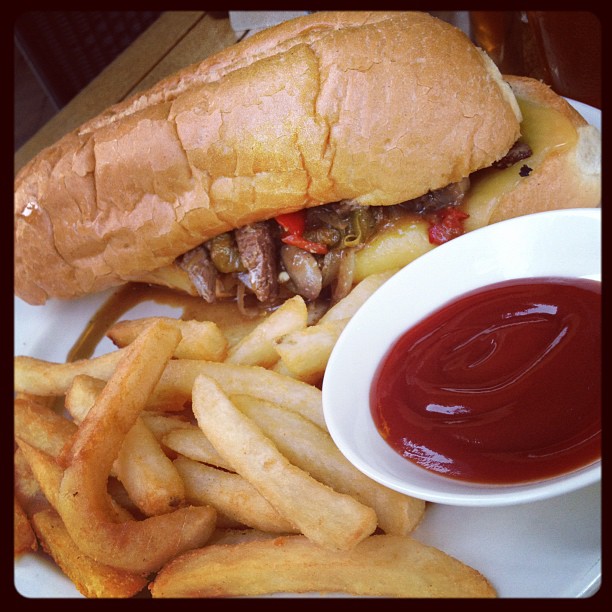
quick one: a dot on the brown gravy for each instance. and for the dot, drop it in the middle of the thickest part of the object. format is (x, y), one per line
(225, 314)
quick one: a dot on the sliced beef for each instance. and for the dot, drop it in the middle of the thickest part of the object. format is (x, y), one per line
(256, 244)
(201, 271)
(451, 195)
(519, 151)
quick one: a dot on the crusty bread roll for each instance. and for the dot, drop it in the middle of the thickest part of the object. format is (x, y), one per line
(564, 171)
(565, 168)
(377, 108)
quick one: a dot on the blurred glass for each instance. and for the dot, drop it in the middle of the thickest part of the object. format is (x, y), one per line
(562, 48)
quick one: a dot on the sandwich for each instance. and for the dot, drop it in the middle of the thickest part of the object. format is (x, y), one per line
(298, 161)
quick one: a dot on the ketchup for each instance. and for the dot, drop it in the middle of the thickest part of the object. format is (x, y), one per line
(499, 386)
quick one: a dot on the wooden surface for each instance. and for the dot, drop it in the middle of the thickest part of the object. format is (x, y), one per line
(175, 40)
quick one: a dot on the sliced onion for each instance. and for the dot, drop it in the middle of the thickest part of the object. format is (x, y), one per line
(346, 273)
(330, 266)
(241, 293)
(316, 310)
(303, 270)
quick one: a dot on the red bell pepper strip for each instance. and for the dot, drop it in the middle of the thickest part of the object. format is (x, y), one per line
(306, 245)
(293, 225)
(448, 225)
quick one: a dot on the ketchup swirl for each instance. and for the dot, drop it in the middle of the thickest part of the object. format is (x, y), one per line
(502, 385)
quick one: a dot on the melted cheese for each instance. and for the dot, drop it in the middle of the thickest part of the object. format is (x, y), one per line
(546, 131)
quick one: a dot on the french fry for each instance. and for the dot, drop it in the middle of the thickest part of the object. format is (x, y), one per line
(280, 368)
(132, 449)
(193, 444)
(313, 450)
(81, 395)
(305, 352)
(177, 382)
(91, 578)
(379, 566)
(41, 426)
(200, 339)
(162, 424)
(331, 519)
(350, 304)
(27, 490)
(24, 539)
(148, 475)
(146, 472)
(46, 470)
(41, 435)
(83, 501)
(231, 495)
(84, 390)
(258, 347)
(48, 474)
(40, 377)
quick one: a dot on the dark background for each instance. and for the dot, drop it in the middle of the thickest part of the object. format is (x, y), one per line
(57, 53)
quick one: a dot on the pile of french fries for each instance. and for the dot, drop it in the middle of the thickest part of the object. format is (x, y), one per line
(182, 465)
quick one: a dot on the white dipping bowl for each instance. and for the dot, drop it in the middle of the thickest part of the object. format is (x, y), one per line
(564, 243)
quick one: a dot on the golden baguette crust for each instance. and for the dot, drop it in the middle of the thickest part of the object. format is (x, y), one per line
(377, 107)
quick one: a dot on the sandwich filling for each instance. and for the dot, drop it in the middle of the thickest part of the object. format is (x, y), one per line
(312, 252)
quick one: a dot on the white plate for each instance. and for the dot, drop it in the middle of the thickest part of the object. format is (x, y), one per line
(546, 549)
